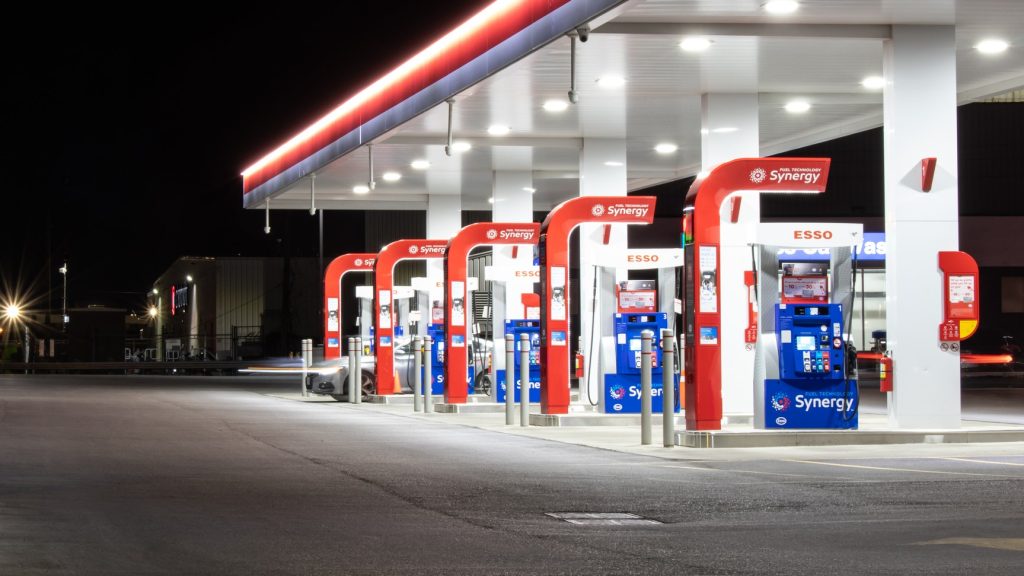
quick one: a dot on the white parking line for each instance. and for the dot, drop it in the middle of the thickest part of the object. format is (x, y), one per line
(986, 462)
(886, 469)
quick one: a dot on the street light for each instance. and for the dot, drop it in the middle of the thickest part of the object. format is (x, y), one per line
(153, 312)
(12, 312)
(64, 272)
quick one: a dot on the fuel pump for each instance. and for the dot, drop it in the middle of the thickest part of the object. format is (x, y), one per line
(804, 377)
(531, 327)
(636, 311)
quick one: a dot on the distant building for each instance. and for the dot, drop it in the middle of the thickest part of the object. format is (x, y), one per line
(234, 307)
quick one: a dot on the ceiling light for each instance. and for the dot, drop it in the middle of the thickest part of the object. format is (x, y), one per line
(695, 44)
(797, 106)
(555, 105)
(391, 176)
(991, 46)
(360, 189)
(498, 130)
(490, 200)
(611, 81)
(614, 163)
(665, 148)
(461, 146)
(781, 6)
(873, 82)
(529, 189)
(420, 164)
(725, 129)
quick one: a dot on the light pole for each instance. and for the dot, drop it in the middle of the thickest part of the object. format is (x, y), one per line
(64, 302)
(12, 314)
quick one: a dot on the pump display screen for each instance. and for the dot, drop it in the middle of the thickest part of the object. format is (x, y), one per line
(806, 343)
(637, 301)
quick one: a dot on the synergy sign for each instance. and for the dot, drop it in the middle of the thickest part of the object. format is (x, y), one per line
(800, 174)
(789, 406)
(337, 270)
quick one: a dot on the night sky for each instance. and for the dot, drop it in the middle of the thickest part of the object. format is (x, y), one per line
(129, 140)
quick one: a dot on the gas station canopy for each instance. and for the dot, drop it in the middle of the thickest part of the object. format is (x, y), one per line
(639, 76)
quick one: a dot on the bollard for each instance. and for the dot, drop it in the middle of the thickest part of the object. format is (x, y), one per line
(668, 389)
(351, 372)
(428, 377)
(524, 380)
(307, 362)
(417, 376)
(359, 370)
(645, 386)
(510, 368)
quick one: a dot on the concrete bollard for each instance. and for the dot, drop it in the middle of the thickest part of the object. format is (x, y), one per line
(645, 386)
(359, 370)
(428, 377)
(307, 362)
(668, 389)
(510, 368)
(417, 378)
(351, 372)
(524, 380)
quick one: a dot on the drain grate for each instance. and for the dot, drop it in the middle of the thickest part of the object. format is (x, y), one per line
(603, 518)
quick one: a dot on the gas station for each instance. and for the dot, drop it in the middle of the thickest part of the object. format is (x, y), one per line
(573, 109)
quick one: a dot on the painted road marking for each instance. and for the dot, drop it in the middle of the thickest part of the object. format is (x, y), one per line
(1012, 544)
(996, 463)
(744, 472)
(886, 469)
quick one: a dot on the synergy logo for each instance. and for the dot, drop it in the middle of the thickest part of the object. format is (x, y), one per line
(524, 234)
(492, 234)
(597, 210)
(637, 210)
(617, 392)
(780, 402)
(414, 249)
(432, 249)
(788, 174)
(358, 261)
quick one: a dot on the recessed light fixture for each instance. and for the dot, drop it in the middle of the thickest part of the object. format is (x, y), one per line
(797, 106)
(461, 146)
(360, 189)
(490, 200)
(873, 82)
(725, 130)
(781, 6)
(498, 130)
(609, 81)
(391, 176)
(704, 131)
(991, 46)
(695, 44)
(420, 164)
(614, 163)
(665, 148)
(555, 105)
(529, 189)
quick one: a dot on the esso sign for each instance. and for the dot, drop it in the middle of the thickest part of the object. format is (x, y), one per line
(812, 234)
(642, 258)
(527, 273)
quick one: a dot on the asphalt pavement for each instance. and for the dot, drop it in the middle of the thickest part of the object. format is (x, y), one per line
(191, 475)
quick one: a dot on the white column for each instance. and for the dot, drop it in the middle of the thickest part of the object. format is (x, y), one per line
(602, 173)
(444, 213)
(513, 202)
(729, 130)
(920, 121)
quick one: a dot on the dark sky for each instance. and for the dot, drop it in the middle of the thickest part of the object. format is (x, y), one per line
(129, 138)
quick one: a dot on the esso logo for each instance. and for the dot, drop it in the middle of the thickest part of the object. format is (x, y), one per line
(492, 234)
(642, 258)
(527, 274)
(414, 249)
(757, 175)
(812, 234)
(358, 262)
(597, 210)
